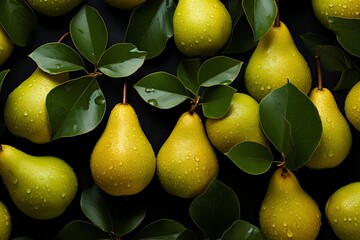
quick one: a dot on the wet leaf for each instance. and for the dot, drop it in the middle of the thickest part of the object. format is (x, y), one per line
(216, 100)
(81, 230)
(243, 230)
(313, 41)
(187, 73)
(162, 229)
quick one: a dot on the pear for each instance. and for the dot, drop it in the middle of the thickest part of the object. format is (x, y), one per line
(42, 187)
(187, 162)
(201, 27)
(336, 138)
(54, 8)
(275, 61)
(287, 211)
(6, 46)
(352, 106)
(123, 160)
(25, 113)
(5, 222)
(125, 4)
(240, 123)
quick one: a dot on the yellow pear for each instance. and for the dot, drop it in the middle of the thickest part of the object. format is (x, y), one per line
(352, 106)
(42, 187)
(5, 222)
(342, 211)
(336, 138)
(6, 46)
(125, 4)
(54, 8)
(338, 8)
(186, 162)
(288, 212)
(240, 123)
(275, 61)
(123, 160)
(201, 27)
(25, 113)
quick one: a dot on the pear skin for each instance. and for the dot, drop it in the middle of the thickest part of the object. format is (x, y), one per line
(275, 61)
(352, 106)
(25, 113)
(123, 160)
(42, 187)
(5, 222)
(186, 162)
(287, 211)
(336, 139)
(6, 46)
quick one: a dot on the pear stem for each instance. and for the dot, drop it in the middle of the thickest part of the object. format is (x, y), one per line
(319, 72)
(124, 97)
(63, 37)
(277, 19)
(194, 103)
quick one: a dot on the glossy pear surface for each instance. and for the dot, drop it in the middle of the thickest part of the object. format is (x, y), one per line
(336, 138)
(352, 106)
(186, 162)
(123, 160)
(6, 46)
(42, 187)
(201, 27)
(342, 211)
(54, 8)
(287, 211)
(275, 61)
(25, 113)
(240, 123)
(5, 222)
(125, 4)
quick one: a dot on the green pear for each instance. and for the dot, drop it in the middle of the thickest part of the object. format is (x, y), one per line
(25, 113)
(287, 211)
(240, 123)
(42, 187)
(352, 106)
(54, 8)
(123, 160)
(5, 222)
(275, 61)
(336, 138)
(201, 27)
(6, 45)
(186, 162)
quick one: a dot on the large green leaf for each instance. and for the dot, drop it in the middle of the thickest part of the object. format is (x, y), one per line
(18, 19)
(244, 231)
(81, 230)
(121, 60)
(2, 77)
(313, 41)
(187, 73)
(56, 57)
(251, 157)
(89, 33)
(150, 26)
(162, 229)
(161, 90)
(75, 107)
(216, 100)
(291, 122)
(215, 210)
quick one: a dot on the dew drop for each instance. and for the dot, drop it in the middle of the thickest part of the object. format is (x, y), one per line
(26, 113)
(289, 233)
(152, 102)
(28, 190)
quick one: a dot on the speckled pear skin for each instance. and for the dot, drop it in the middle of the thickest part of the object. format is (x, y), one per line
(5, 222)
(54, 8)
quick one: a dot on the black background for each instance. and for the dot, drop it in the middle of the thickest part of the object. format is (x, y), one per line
(157, 125)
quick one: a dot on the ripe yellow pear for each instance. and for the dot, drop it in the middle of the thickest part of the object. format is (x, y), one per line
(42, 187)
(352, 106)
(275, 61)
(336, 138)
(25, 113)
(54, 8)
(123, 160)
(240, 123)
(338, 8)
(288, 212)
(186, 162)
(6, 46)
(125, 4)
(201, 27)
(342, 211)
(5, 222)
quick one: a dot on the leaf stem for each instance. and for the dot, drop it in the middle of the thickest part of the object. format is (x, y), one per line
(124, 97)
(319, 72)
(61, 39)
(194, 103)
(277, 19)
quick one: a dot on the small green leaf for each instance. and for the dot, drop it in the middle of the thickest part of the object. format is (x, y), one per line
(215, 210)
(161, 90)
(251, 157)
(334, 58)
(244, 231)
(150, 26)
(121, 60)
(187, 73)
(216, 100)
(162, 229)
(2, 77)
(88, 33)
(75, 107)
(55, 58)
(81, 230)
(348, 79)
(313, 41)
(187, 234)
(19, 21)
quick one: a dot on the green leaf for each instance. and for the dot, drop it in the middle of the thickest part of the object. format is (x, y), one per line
(2, 77)
(187, 73)
(88, 33)
(348, 79)
(56, 57)
(215, 210)
(216, 100)
(251, 157)
(261, 15)
(161, 90)
(81, 230)
(313, 41)
(162, 229)
(75, 107)
(347, 33)
(19, 21)
(150, 26)
(287, 114)
(121, 60)
(187, 234)
(334, 58)
(244, 231)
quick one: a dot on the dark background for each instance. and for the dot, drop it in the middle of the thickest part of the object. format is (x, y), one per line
(157, 125)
